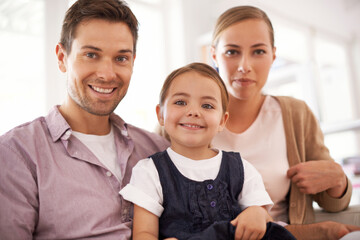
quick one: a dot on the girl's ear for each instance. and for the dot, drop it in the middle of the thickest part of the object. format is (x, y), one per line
(160, 115)
(223, 121)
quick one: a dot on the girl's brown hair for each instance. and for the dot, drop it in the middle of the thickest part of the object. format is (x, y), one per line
(204, 70)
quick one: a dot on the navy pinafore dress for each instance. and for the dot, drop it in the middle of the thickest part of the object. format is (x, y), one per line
(203, 210)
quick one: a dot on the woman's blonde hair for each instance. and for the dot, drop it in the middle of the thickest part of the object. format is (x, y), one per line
(202, 69)
(238, 14)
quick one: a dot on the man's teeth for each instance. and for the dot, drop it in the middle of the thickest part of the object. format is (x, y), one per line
(191, 126)
(103, 90)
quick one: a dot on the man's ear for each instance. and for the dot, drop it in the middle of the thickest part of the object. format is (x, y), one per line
(61, 56)
(160, 115)
(223, 121)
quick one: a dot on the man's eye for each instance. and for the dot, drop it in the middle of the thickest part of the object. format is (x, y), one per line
(180, 102)
(207, 106)
(91, 55)
(121, 59)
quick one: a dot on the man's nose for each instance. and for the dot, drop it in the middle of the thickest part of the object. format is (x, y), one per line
(106, 70)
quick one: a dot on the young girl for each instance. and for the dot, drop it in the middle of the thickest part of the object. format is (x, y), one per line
(192, 191)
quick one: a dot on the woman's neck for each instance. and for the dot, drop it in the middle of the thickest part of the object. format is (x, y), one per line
(243, 113)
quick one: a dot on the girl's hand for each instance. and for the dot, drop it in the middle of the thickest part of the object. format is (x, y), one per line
(251, 223)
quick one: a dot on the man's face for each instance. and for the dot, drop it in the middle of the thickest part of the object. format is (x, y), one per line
(99, 66)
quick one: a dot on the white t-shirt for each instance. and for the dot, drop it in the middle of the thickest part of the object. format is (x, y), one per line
(145, 188)
(104, 148)
(263, 144)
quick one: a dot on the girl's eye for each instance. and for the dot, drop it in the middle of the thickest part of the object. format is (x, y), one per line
(259, 52)
(180, 102)
(207, 106)
(91, 55)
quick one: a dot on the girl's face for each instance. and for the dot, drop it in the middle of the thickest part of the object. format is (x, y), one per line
(244, 56)
(192, 113)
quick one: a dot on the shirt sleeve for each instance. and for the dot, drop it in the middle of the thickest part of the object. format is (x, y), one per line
(253, 192)
(18, 195)
(144, 188)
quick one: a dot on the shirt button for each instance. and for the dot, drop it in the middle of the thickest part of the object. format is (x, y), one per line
(212, 203)
(108, 173)
(210, 186)
(292, 204)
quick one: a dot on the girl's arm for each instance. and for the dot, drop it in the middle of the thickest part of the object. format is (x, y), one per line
(145, 225)
(251, 223)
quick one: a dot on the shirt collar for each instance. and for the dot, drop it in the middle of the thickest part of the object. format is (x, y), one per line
(59, 128)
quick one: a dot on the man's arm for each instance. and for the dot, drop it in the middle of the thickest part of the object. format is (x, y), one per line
(18, 195)
(322, 230)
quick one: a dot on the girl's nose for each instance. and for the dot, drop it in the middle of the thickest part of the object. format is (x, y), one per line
(193, 112)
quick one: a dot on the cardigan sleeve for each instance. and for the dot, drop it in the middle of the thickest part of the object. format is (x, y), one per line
(315, 149)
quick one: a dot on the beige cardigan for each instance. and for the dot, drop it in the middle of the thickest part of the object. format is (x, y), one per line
(305, 142)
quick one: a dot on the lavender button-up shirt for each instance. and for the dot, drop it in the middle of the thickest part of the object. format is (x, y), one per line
(53, 187)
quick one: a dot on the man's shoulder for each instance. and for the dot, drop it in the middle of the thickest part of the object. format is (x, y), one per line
(25, 130)
(141, 135)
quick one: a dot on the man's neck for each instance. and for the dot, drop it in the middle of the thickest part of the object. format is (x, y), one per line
(85, 122)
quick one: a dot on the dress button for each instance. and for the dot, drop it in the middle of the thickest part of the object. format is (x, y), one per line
(210, 186)
(108, 173)
(212, 203)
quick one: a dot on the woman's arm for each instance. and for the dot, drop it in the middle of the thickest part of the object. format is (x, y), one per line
(145, 225)
(322, 230)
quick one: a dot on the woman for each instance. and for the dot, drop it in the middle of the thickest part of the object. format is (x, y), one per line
(279, 135)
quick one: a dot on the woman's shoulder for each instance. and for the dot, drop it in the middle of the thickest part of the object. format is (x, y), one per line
(290, 101)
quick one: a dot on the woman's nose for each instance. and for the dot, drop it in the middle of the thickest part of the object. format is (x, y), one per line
(244, 65)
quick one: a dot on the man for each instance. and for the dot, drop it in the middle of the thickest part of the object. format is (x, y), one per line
(61, 174)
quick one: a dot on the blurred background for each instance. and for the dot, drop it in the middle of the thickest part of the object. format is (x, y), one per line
(318, 59)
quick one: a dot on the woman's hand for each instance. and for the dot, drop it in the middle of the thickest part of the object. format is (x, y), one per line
(317, 176)
(322, 230)
(251, 223)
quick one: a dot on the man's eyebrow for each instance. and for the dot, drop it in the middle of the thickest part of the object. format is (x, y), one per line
(99, 50)
(91, 47)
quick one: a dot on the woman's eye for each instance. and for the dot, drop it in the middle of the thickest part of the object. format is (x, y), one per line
(259, 52)
(91, 55)
(180, 102)
(207, 106)
(231, 52)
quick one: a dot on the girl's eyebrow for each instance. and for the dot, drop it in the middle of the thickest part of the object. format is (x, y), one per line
(188, 95)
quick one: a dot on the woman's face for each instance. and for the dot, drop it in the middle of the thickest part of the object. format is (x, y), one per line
(244, 56)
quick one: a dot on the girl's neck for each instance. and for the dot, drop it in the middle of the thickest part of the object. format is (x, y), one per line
(243, 113)
(194, 153)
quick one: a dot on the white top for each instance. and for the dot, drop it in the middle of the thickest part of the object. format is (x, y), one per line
(103, 147)
(263, 144)
(145, 189)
